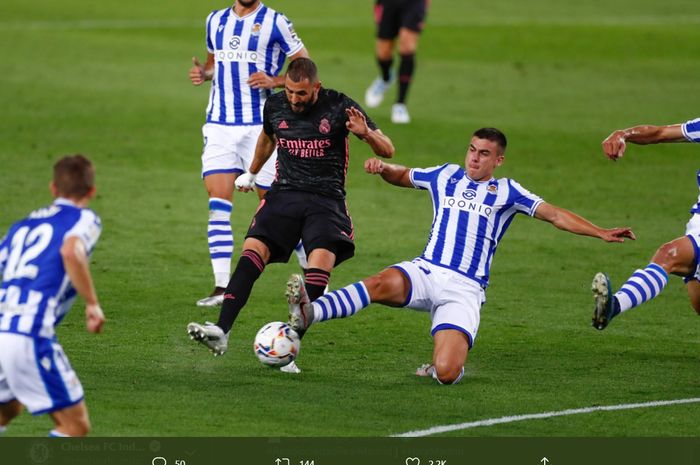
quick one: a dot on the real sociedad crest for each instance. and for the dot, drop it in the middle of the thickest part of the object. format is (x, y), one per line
(255, 30)
(235, 42)
(324, 126)
(492, 188)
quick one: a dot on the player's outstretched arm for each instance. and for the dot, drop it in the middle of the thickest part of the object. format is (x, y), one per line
(375, 138)
(75, 261)
(615, 144)
(571, 222)
(393, 174)
(263, 151)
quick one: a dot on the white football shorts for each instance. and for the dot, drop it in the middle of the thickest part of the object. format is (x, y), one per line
(230, 149)
(36, 372)
(454, 301)
(692, 230)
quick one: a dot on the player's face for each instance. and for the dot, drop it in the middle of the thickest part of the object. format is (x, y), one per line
(483, 157)
(301, 95)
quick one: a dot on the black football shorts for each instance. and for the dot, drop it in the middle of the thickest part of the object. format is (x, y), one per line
(285, 216)
(392, 15)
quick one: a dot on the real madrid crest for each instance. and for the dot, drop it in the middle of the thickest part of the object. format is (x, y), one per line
(324, 126)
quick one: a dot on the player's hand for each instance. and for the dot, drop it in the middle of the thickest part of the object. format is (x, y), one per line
(374, 166)
(197, 75)
(617, 235)
(260, 80)
(356, 123)
(614, 145)
(94, 318)
(245, 182)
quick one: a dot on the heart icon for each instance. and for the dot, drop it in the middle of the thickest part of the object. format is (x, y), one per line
(412, 461)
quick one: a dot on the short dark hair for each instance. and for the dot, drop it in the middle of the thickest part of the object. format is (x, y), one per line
(494, 135)
(302, 68)
(73, 176)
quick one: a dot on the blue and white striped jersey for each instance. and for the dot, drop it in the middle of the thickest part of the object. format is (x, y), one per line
(36, 293)
(691, 131)
(259, 41)
(469, 217)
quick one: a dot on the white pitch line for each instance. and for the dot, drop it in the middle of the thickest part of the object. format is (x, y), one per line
(538, 416)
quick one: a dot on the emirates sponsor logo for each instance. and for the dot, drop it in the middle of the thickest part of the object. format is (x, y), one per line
(324, 127)
(303, 148)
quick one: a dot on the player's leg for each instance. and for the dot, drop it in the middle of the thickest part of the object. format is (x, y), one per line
(71, 421)
(387, 21)
(693, 286)
(676, 257)
(389, 287)
(412, 18)
(219, 173)
(8, 411)
(449, 355)
(250, 266)
(271, 238)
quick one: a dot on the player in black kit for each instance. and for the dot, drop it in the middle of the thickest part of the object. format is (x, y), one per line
(310, 126)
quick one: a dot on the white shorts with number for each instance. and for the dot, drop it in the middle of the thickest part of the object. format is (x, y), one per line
(230, 149)
(692, 230)
(454, 301)
(36, 372)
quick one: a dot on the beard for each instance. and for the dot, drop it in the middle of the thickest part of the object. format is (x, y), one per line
(246, 3)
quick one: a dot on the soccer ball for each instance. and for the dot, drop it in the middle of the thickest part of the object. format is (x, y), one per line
(276, 344)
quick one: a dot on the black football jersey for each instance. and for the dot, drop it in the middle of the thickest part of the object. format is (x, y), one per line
(312, 147)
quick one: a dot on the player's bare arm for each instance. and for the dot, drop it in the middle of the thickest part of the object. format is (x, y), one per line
(262, 80)
(393, 174)
(199, 73)
(75, 261)
(615, 144)
(357, 124)
(569, 221)
(263, 151)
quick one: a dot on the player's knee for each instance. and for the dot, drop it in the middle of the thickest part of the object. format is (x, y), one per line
(448, 371)
(667, 256)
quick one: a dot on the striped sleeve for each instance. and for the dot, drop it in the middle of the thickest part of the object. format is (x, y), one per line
(210, 44)
(423, 177)
(87, 228)
(290, 41)
(523, 200)
(691, 130)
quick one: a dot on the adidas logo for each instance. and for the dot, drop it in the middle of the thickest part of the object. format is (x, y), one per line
(283, 125)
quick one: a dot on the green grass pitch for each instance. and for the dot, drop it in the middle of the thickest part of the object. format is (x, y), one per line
(109, 79)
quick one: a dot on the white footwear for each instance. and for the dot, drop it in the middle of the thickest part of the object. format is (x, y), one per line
(399, 114)
(291, 368)
(209, 335)
(375, 92)
(215, 299)
(426, 370)
(301, 312)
